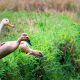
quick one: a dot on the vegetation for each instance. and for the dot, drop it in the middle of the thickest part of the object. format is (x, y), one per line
(40, 5)
(53, 34)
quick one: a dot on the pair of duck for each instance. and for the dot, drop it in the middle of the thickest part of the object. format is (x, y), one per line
(8, 47)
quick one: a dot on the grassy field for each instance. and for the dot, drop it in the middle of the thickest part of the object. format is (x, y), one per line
(47, 32)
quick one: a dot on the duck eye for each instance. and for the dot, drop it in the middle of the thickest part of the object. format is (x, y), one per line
(6, 20)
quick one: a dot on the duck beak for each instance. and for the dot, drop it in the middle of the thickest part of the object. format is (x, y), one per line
(10, 25)
(29, 42)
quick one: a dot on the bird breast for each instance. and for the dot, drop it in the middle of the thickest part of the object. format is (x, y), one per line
(8, 47)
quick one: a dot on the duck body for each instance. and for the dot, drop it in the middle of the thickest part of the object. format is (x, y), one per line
(8, 47)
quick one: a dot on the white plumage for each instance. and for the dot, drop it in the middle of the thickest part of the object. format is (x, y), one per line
(5, 22)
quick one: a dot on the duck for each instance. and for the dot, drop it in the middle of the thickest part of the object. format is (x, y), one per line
(5, 22)
(24, 47)
(8, 47)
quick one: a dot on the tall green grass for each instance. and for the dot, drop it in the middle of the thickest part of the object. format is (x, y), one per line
(47, 32)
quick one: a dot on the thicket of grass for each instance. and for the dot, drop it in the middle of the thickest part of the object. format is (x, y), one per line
(47, 32)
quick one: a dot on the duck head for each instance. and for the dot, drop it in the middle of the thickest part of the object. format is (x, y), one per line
(6, 22)
(24, 37)
(38, 54)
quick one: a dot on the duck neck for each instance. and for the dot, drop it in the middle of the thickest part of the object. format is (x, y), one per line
(19, 40)
(31, 50)
(1, 25)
